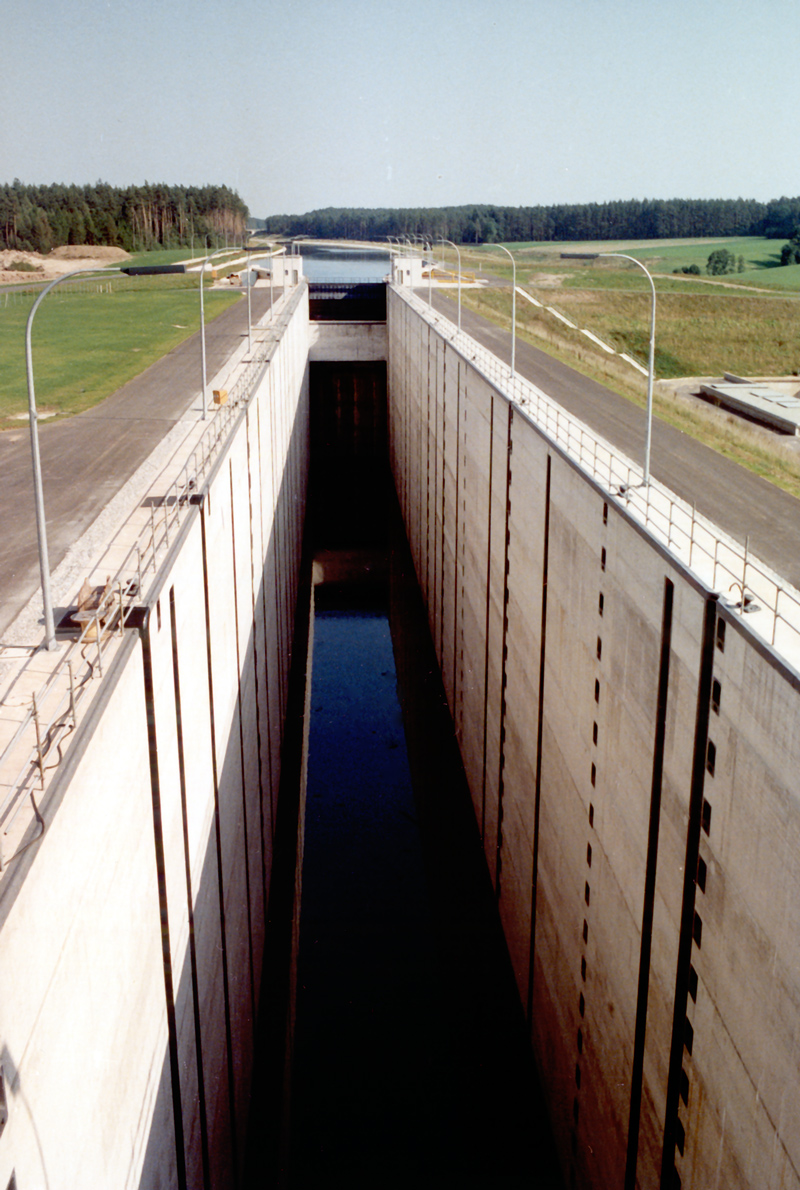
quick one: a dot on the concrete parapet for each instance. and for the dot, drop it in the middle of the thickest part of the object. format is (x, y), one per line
(632, 751)
(131, 945)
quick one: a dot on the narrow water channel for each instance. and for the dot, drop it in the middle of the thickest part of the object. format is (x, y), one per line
(404, 1061)
(411, 1066)
(370, 1063)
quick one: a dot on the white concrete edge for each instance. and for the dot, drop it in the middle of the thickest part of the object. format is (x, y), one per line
(561, 318)
(634, 363)
(528, 297)
(588, 334)
(599, 342)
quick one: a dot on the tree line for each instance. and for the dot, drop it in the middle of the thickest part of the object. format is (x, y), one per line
(646, 219)
(39, 218)
(136, 218)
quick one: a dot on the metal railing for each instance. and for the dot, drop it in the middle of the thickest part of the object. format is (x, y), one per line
(53, 710)
(771, 605)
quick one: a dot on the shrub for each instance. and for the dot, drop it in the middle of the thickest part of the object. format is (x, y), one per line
(720, 261)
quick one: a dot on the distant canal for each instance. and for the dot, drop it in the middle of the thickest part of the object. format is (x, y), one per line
(341, 264)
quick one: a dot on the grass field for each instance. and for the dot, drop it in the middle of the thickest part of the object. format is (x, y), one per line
(87, 342)
(761, 257)
(704, 327)
(698, 333)
(177, 255)
(661, 257)
(757, 252)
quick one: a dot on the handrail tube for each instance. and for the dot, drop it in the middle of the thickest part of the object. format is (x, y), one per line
(670, 523)
(128, 591)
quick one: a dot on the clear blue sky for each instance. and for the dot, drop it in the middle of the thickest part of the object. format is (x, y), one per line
(314, 103)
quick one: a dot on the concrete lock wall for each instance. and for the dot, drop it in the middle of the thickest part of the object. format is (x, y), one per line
(130, 954)
(633, 755)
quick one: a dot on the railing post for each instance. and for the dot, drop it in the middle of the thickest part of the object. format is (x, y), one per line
(98, 631)
(153, 532)
(39, 746)
(691, 534)
(72, 710)
(714, 572)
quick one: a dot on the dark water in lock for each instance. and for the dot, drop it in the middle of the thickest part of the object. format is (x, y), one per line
(408, 1059)
(411, 1061)
(370, 1096)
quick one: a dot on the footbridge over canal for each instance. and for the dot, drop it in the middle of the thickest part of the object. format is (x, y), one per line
(631, 741)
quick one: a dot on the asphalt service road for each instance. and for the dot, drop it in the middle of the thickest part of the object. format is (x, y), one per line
(86, 459)
(737, 500)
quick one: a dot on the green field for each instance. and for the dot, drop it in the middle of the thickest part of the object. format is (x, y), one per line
(747, 323)
(758, 253)
(88, 341)
(178, 255)
(761, 259)
(696, 334)
(704, 326)
(624, 319)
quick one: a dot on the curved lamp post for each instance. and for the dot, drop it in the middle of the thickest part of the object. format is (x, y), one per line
(247, 249)
(458, 254)
(513, 307)
(204, 383)
(249, 285)
(651, 357)
(33, 420)
(427, 245)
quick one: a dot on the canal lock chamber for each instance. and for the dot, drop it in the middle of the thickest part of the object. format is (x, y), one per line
(394, 1049)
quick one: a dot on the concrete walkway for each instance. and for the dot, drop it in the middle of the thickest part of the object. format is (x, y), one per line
(735, 499)
(86, 459)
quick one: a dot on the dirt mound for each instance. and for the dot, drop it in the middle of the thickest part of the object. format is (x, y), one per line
(87, 252)
(18, 267)
(547, 280)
